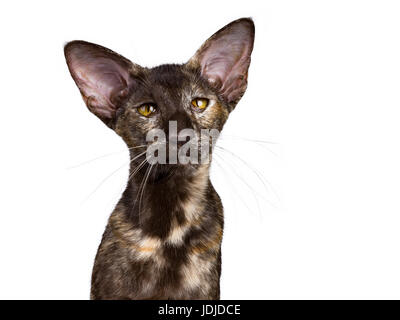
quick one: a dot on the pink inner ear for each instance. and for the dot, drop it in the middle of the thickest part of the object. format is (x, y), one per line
(225, 58)
(101, 83)
(101, 75)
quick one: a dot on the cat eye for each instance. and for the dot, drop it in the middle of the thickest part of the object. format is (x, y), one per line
(200, 103)
(147, 109)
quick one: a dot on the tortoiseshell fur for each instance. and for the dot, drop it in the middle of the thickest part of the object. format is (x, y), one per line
(181, 215)
(163, 239)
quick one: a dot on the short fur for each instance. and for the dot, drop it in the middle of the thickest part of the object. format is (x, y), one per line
(163, 239)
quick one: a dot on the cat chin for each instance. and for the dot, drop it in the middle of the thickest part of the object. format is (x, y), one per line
(162, 172)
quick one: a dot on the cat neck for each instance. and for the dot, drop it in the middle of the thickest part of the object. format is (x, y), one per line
(158, 207)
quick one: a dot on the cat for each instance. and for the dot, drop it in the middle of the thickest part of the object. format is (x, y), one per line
(163, 239)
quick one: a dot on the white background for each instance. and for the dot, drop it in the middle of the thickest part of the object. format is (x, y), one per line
(323, 88)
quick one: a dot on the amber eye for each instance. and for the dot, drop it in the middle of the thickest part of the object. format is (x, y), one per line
(200, 103)
(146, 110)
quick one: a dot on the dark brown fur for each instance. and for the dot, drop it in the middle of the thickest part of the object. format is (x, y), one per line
(118, 272)
(163, 240)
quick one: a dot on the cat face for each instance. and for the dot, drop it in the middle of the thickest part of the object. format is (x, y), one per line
(134, 100)
(171, 98)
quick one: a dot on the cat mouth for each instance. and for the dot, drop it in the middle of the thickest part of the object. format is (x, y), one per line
(157, 173)
(151, 166)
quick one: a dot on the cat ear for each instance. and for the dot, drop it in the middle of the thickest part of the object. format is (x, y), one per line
(102, 76)
(224, 59)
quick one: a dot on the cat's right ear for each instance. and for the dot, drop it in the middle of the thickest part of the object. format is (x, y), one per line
(102, 76)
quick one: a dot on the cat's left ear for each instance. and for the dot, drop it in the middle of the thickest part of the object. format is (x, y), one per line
(224, 59)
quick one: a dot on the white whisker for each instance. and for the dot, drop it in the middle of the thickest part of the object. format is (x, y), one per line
(101, 157)
(111, 174)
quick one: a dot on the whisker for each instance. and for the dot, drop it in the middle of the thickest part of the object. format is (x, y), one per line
(101, 157)
(143, 145)
(111, 174)
(260, 143)
(226, 176)
(144, 187)
(260, 177)
(253, 192)
(247, 139)
(137, 195)
(137, 169)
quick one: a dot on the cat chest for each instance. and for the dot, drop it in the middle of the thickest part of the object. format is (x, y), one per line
(176, 268)
(183, 264)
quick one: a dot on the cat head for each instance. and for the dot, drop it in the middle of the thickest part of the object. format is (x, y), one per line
(133, 100)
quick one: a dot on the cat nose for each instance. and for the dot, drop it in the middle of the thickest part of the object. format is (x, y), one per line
(178, 122)
(182, 122)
